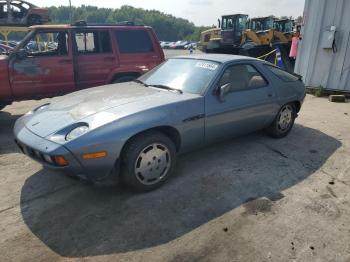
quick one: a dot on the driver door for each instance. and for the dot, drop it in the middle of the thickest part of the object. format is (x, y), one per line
(248, 104)
(45, 69)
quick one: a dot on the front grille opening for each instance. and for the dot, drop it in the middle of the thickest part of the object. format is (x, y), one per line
(35, 154)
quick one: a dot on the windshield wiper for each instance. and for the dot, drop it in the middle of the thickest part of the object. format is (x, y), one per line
(158, 86)
(167, 88)
(140, 82)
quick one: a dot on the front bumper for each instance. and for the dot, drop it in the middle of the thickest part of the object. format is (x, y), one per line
(39, 149)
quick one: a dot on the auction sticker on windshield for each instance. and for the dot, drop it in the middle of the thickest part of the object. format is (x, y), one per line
(206, 65)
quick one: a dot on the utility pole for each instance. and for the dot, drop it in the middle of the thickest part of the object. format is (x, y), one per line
(9, 11)
(70, 12)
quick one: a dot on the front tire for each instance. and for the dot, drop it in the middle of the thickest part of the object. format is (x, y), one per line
(148, 161)
(283, 122)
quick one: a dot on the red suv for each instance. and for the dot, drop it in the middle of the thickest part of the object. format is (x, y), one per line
(58, 59)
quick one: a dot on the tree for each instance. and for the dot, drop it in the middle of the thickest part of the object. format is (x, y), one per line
(167, 27)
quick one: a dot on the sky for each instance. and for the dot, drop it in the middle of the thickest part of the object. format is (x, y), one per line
(201, 12)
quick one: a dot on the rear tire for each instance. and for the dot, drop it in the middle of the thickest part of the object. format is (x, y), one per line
(283, 122)
(124, 79)
(148, 161)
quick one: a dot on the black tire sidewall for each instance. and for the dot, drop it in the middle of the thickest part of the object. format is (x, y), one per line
(132, 152)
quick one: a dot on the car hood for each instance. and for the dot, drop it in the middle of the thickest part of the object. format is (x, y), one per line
(98, 106)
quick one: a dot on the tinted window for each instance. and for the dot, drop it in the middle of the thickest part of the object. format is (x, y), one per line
(105, 42)
(93, 42)
(25, 6)
(189, 75)
(242, 77)
(283, 75)
(134, 41)
(2, 12)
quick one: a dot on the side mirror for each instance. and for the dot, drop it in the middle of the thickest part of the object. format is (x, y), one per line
(22, 53)
(223, 90)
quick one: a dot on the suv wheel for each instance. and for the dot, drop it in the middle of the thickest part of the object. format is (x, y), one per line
(124, 79)
(283, 122)
(148, 161)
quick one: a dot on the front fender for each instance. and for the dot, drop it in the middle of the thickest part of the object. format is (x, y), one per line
(186, 117)
(111, 138)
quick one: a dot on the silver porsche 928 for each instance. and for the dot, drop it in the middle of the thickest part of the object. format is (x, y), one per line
(135, 130)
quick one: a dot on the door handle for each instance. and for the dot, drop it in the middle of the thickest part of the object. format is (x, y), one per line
(65, 61)
(271, 95)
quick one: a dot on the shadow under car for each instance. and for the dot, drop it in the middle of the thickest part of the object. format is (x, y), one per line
(80, 220)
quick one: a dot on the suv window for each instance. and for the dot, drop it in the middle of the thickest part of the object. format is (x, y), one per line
(281, 74)
(90, 42)
(134, 41)
(2, 11)
(242, 77)
(48, 43)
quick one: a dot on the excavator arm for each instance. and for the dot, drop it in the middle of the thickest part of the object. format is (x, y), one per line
(249, 35)
(280, 37)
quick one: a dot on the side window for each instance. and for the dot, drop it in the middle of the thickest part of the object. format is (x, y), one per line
(281, 74)
(242, 77)
(93, 42)
(16, 11)
(48, 43)
(106, 46)
(25, 6)
(2, 11)
(134, 41)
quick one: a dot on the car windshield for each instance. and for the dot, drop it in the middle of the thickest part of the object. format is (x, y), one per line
(188, 75)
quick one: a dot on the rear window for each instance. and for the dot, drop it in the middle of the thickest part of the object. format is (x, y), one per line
(281, 74)
(134, 41)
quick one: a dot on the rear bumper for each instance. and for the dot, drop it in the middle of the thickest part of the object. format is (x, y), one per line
(39, 149)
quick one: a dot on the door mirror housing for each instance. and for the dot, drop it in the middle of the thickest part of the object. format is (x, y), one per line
(22, 53)
(223, 91)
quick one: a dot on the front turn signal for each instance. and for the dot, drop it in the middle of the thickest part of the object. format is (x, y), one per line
(60, 161)
(95, 155)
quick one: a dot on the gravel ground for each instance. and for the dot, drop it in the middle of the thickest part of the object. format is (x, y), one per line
(250, 199)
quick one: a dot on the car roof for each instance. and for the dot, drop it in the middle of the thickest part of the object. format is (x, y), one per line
(220, 58)
(102, 26)
(17, 2)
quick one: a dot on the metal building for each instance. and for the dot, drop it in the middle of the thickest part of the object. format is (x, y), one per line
(324, 51)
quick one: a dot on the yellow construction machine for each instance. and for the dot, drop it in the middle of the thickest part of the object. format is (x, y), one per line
(236, 32)
(287, 28)
(257, 37)
(267, 31)
(213, 34)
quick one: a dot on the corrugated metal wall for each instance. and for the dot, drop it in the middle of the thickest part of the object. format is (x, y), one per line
(320, 66)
